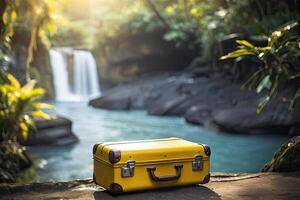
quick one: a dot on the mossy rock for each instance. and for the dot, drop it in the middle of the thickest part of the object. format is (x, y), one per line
(287, 158)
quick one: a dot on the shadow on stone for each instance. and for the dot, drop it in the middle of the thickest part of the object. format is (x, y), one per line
(183, 193)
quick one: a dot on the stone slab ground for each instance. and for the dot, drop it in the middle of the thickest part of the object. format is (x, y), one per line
(222, 186)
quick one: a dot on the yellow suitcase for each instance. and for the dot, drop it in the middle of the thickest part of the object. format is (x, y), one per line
(145, 164)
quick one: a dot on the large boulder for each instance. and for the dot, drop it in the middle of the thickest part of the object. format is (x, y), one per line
(131, 95)
(111, 102)
(211, 102)
(199, 115)
(167, 96)
(275, 118)
(287, 158)
(56, 131)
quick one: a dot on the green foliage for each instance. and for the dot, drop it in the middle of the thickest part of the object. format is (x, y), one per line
(13, 160)
(17, 107)
(201, 24)
(8, 17)
(246, 19)
(18, 104)
(71, 34)
(35, 15)
(27, 175)
(116, 17)
(280, 62)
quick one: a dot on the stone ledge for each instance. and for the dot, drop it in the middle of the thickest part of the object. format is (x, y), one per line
(88, 185)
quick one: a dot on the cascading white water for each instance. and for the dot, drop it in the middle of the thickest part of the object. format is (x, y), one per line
(60, 75)
(85, 83)
(85, 74)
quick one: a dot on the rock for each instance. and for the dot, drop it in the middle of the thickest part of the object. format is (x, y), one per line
(222, 186)
(56, 131)
(112, 102)
(131, 95)
(186, 92)
(216, 103)
(287, 158)
(199, 115)
(166, 96)
(211, 96)
(275, 118)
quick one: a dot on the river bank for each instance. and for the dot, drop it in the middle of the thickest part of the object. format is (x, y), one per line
(222, 186)
(216, 103)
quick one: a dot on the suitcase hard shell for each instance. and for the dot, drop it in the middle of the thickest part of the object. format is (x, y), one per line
(148, 164)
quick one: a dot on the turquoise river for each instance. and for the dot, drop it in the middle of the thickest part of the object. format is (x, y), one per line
(230, 152)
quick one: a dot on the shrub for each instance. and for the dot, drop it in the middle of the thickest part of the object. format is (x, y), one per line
(17, 107)
(279, 62)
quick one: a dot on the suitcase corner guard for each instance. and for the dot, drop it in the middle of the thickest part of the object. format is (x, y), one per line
(206, 149)
(206, 179)
(95, 147)
(114, 156)
(115, 188)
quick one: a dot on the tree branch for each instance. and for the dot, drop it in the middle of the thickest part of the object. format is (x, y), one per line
(158, 15)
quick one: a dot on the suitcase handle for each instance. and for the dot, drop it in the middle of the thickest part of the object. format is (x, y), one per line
(151, 170)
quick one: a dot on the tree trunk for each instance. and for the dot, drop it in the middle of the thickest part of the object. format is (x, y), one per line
(3, 4)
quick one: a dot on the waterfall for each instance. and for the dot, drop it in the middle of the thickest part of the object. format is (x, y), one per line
(78, 82)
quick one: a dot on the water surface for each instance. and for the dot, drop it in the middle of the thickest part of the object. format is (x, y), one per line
(230, 152)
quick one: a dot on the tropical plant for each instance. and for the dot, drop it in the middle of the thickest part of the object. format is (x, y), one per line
(18, 105)
(279, 62)
(34, 16)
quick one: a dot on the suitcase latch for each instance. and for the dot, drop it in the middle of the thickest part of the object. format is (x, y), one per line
(128, 170)
(198, 163)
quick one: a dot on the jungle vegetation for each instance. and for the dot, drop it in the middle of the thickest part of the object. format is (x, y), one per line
(208, 26)
(266, 30)
(19, 104)
(279, 59)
